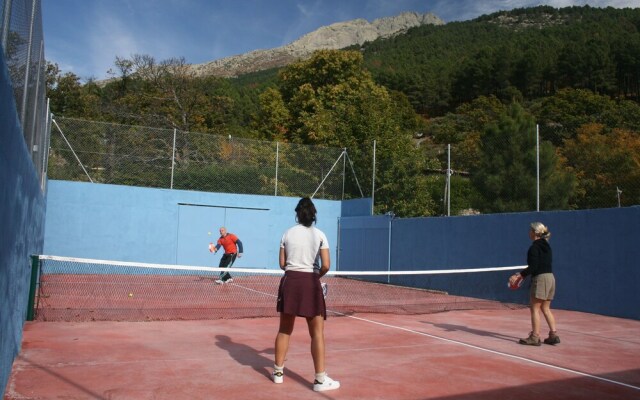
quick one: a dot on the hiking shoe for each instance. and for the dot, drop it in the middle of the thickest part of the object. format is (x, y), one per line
(553, 339)
(532, 340)
(277, 376)
(328, 384)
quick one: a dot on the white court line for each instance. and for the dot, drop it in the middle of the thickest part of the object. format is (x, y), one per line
(571, 371)
(528, 360)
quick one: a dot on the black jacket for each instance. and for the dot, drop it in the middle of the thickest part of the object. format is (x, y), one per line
(539, 259)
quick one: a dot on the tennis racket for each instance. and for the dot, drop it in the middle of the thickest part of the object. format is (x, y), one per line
(515, 282)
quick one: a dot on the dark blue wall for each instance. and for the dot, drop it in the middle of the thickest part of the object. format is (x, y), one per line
(596, 253)
(22, 211)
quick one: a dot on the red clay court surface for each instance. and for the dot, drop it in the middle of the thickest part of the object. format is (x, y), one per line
(449, 355)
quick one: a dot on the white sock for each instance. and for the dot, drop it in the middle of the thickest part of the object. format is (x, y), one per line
(278, 369)
(320, 377)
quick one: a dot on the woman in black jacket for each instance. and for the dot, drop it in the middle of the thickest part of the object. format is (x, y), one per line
(543, 284)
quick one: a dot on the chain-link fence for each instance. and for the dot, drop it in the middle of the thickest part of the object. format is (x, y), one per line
(23, 47)
(163, 158)
(537, 173)
(480, 174)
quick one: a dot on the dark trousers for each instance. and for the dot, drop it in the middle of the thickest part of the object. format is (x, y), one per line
(226, 261)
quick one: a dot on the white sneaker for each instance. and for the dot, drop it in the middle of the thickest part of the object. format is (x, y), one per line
(229, 280)
(328, 384)
(277, 376)
(219, 282)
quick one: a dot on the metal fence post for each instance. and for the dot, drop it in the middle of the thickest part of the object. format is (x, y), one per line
(537, 167)
(373, 179)
(6, 22)
(23, 108)
(173, 156)
(449, 180)
(277, 160)
(344, 170)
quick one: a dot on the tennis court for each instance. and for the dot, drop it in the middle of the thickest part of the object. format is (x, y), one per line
(469, 352)
(450, 355)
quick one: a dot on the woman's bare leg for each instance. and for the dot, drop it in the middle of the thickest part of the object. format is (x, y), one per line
(282, 339)
(316, 331)
(548, 315)
(536, 304)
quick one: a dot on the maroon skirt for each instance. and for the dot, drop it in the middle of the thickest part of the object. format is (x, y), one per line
(300, 294)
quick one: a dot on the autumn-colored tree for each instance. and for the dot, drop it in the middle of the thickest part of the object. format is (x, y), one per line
(606, 162)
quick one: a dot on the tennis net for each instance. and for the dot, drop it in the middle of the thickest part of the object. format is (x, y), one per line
(76, 289)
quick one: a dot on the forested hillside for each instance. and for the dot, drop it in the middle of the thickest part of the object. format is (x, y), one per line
(522, 54)
(483, 87)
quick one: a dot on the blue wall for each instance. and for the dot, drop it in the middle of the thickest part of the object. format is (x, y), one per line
(172, 226)
(22, 209)
(596, 252)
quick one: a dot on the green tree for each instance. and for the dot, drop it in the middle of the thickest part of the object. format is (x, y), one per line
(330, 99)
(68, 96)
(273, 120)
(560, 116)
(506, 178)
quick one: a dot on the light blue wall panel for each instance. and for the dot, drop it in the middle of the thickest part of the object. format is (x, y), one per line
(170, 226)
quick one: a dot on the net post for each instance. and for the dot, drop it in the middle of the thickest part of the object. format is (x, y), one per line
(35, 266)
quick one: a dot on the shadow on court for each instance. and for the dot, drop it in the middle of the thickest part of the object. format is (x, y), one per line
(453, 328)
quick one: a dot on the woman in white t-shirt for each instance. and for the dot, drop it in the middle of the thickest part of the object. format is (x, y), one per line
(304, 256)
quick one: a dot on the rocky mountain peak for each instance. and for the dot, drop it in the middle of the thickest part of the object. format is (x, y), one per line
(334, 36)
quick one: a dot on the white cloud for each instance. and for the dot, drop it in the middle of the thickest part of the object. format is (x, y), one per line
(109, 37)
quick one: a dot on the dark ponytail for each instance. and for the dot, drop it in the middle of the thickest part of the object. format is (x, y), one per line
(306, 212)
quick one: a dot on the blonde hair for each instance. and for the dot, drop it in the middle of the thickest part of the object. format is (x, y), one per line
(540, 230)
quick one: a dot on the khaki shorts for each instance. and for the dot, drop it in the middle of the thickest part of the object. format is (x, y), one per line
(543, 286)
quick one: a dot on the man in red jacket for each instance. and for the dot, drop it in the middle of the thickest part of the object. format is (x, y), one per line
(232, 248)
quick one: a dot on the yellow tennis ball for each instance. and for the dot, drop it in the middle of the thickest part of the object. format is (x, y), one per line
(209, 233)
(130, 294)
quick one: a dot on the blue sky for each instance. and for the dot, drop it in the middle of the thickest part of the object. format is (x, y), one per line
(85, 36)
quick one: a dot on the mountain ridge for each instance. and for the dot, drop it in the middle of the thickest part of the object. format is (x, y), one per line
(335, 36)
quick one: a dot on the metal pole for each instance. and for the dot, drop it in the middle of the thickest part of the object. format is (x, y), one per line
(389, 248)
(45, 148)
(6, 22)
(277, 161)
(344, 169)
(338, 248)
(537, 167)
(373, 179)
(448, 180)
(173, 157)
(23, 110)
(34, 147)
(618, 193)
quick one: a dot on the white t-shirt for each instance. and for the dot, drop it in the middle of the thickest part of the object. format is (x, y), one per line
(302, 247)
